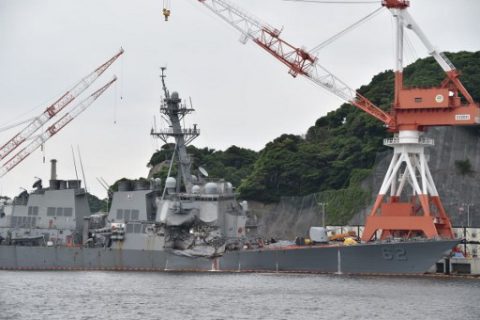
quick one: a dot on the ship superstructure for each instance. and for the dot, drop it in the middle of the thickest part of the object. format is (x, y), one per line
(50, 216)
(189, 215)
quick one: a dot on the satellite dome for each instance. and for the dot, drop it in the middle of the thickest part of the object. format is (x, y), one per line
(211, 188)
(228, 187)
(196, 189)
(171, 183)
(174, 95)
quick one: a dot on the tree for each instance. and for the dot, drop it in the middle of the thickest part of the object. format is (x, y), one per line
(464, 167)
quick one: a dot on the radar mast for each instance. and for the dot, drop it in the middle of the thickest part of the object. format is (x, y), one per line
(175, 110)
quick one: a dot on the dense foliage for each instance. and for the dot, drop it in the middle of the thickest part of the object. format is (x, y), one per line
(96, 204)
(233, 164)
(464, 167)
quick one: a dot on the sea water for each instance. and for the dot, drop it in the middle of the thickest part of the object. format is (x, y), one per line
(131, 295)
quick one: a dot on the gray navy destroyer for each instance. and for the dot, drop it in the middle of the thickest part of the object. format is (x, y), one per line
(190, 223)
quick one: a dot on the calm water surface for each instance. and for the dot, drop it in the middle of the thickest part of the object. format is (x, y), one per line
(122, 295)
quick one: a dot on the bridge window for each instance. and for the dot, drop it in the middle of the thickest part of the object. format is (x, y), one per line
(51, 211)
(127, 214)
(135, 214)
(68, 212)
(33, 211)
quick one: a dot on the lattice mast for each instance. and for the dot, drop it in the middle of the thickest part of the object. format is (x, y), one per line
(56, 107)
(413, 110)
(53, 129)
(175, 110)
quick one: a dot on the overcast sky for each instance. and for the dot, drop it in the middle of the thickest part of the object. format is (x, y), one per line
(242, 95)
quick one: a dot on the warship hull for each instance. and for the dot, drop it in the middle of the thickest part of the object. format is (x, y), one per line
(413, 257)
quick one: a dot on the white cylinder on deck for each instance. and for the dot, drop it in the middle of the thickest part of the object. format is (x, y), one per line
(171, 183)
(211, 188)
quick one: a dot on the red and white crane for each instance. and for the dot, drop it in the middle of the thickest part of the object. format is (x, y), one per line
(413, 110)
(53, 129)
(56, 107)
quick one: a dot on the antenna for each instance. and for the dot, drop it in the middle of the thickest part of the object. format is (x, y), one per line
(102, 183)
(81, 166)
(203, 171)
(166, 120)
(115, 100)
(105, 185)
(121, 78)
(38, 183)
(74, 162)
(163, 76)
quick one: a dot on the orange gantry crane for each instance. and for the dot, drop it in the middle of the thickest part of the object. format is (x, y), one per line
(52, 111)
(396, 212)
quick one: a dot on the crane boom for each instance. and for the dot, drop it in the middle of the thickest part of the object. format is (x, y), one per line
(53, 129)
(298, 60)
(56, 107)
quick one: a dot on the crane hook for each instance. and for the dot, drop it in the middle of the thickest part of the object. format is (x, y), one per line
(166, 13)
(166, 9)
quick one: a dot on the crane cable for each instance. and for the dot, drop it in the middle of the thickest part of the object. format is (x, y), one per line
(410, 48)
(325, 43)
(16, 124)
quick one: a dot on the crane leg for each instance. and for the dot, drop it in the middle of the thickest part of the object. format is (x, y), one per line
(422, 213)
